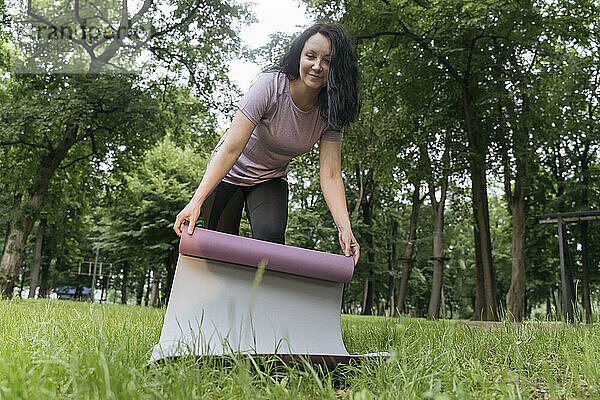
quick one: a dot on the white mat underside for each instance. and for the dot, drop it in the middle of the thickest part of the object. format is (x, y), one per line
(214, 310)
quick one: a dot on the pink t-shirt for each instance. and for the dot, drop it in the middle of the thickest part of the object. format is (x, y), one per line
(283, 131)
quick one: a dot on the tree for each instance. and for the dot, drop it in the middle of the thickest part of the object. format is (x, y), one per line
(435, 184)
(136, 227)
(103, 120)
(456, 48)
(187, 39)
(407, 257)
(111, 121)
(37, 259)
(482, 57)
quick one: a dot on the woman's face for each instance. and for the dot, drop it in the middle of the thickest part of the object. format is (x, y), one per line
(314, 61)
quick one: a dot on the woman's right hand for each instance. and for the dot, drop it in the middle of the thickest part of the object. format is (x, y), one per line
(222, 161)
(190, 213)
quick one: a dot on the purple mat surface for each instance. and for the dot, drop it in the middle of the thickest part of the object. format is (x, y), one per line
(234, 249)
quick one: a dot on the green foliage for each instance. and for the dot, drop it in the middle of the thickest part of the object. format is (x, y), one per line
(530, 70)
(4, 48)
(135, 221)
(185, 40)
(114, 118)
(270, 54)
(310, 224)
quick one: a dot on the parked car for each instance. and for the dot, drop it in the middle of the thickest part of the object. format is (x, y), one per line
(69, 292)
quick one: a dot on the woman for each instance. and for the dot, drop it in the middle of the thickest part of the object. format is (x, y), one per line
(310, 96)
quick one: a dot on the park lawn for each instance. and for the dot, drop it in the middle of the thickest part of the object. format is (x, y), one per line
(67, 350)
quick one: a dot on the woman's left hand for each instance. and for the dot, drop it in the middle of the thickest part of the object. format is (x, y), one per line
(350, 246)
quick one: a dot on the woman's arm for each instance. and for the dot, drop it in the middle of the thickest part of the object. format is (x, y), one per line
(237, 137)
(330, 161)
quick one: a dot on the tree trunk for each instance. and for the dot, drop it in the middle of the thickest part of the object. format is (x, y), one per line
(409, 248)
(171, 266)
(587, 306)
(515, 298)
(20, 227)
(16, 206)
(364, 297)
(105, 286)
(571, 294)
(482, 230)
(479, 307)
(148, 288)
(443, 304)
(124, 282)
(12, 258)
(368, 209)
(486, 301)
(585, 251)
(154, 297)
(140, 289)
(6, 234)
(102, 286)
(50, 261)
(22, 282)
(369, 301)
(34, 279)
(44, 273)
(439, 253)
(557, 304)
(435, 297)
(392, 266)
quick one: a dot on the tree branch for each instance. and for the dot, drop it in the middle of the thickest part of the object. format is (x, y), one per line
(495, 37)
(431, 187)
(77, 159)
(145, 7)
(360, 193)
(189, 68)
(39, 18)
(383, 33)
(91, 132)
(35, 145)
(441, 59)
(93, 140)
(50, 146)
(181, 23)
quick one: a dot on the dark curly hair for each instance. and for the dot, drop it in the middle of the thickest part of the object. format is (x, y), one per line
(340, 100)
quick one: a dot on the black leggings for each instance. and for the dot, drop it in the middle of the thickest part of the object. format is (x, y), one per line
(266, 208)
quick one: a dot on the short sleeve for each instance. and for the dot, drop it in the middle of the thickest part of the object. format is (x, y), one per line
(259, 97)
(332, 135)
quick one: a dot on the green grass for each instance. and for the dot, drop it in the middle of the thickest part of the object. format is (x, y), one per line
(65, 350)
